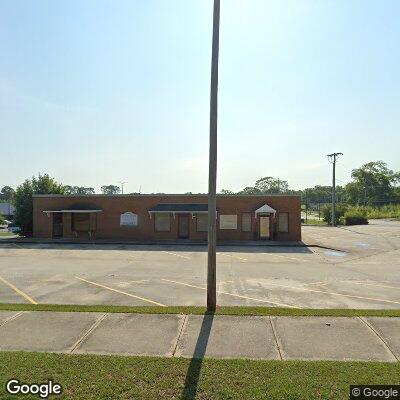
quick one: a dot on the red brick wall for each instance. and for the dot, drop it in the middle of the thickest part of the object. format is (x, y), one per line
(108, 221)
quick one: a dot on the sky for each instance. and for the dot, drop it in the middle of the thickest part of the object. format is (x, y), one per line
(96, 92)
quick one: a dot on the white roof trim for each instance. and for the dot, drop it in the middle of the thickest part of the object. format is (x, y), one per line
(265, 209)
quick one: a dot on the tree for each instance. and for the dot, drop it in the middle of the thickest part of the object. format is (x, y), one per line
(79, 190)
(373, 183)
(110, 189)
(250, 190)
(270, 185)
(23, 198)
(226, 191)
(7, 194)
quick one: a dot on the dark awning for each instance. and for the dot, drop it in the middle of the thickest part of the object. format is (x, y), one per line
(77, 208)
(180, 208)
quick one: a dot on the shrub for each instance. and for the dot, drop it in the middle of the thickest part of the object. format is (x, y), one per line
(386, 211)
(326, 211)
(353, 217)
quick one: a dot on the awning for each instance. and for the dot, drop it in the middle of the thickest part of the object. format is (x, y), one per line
(179, 208)
(265, 209)
(78, 208)
(71, 211)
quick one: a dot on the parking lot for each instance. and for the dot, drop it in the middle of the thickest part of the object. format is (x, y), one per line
(348, 267)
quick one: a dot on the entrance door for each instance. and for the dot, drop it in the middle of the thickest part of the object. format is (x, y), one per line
(57, 225)
(264, 227)
(183, 226)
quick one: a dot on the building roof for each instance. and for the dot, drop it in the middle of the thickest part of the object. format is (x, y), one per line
(180, 207)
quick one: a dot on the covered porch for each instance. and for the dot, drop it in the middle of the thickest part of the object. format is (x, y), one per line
(73, 222)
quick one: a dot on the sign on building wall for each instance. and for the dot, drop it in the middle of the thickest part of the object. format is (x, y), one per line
(228, 222)
(128, 219)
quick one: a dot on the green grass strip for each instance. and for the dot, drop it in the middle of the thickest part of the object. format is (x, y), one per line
(114, 377)
(323, 312)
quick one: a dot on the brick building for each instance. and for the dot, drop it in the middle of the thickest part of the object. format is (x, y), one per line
(159, 217)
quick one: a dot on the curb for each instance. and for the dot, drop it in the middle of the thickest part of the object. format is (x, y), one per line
(164, 243)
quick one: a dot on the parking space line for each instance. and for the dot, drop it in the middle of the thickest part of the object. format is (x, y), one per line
(230, 255)
(175, 254)
(335, 294)
(372, 284)
(20, 292)
(120, 291)
(231, 294)
(287, 257)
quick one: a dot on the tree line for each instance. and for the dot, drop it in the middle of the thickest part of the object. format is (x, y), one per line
(372, 184)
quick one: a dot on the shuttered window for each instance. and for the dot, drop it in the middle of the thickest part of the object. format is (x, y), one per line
(228, 222)
(202, 222)
(283, 222)
(246, 222)
(162, 222)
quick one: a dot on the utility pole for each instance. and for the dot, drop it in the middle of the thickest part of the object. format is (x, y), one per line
(332, 159)
(122, 187)
(212, 172)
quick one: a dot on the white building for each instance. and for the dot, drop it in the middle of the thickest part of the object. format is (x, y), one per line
(7, 209)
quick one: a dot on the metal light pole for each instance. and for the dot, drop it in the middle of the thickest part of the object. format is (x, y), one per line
(122, 187)
(332, 158)
(212, 172)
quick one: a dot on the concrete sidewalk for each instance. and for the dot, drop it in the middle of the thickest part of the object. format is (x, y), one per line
(169, 335)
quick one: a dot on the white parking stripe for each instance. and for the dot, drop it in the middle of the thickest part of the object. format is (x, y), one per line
(231, 294)
(334, 293)
(177, 255)
(232, 256)
(120, 291)
(372, 284)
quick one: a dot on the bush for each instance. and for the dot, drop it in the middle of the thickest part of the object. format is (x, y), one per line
(2, 220)
(353, 217)
(386, 211)
(326, 211)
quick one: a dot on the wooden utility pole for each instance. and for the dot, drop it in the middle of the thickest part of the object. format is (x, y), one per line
(212, 172)
(332, 158)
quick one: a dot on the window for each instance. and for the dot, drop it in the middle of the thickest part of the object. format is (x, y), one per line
(202, 222)
(162, 222)
(228, 222)
(246, 222)
(283, 221)
(128, 219)
(80, 222)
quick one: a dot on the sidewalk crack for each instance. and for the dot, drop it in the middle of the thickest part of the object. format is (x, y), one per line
(87, 333)
(276, 338)
(385, 343)
(15, 316)
(184, 322)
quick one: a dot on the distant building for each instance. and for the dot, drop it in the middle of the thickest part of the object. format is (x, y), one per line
(7, 209)
(166, 217)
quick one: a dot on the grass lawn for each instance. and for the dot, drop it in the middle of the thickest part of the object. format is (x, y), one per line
(113, 377)
(315, 222)
(5, 234)
(237, 310)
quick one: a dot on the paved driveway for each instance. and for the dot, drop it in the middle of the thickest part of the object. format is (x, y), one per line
(360, 270)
